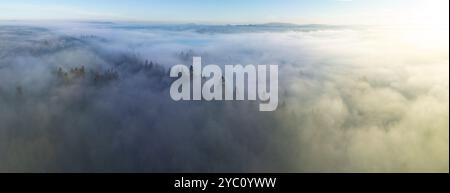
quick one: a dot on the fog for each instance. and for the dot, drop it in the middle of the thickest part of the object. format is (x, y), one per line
(94, 97)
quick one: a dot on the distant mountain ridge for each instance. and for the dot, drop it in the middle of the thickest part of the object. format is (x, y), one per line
(228, 28)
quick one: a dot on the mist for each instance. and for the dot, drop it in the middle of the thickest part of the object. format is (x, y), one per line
(94, 97)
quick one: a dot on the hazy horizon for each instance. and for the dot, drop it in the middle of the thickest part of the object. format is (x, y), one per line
(331, 12)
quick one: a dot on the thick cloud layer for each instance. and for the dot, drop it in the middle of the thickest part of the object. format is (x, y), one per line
(351, 99)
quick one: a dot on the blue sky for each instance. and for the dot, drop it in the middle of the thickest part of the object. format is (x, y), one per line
(212, 11)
